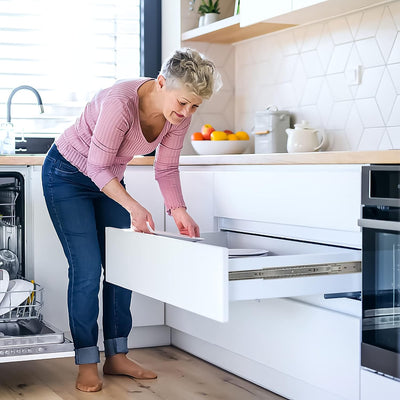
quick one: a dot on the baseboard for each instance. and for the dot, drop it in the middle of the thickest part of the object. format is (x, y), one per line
(266, 377)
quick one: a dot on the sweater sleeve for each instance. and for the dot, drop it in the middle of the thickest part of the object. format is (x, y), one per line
(167, 166)
(111, 125)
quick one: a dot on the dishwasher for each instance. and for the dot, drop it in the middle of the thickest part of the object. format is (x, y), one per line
(24, 335)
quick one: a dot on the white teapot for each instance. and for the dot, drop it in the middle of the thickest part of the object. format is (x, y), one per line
(304, 138)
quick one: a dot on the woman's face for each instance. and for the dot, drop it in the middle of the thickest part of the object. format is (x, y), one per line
(179, 104)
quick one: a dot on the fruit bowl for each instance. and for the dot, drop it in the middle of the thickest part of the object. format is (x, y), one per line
(217, 147)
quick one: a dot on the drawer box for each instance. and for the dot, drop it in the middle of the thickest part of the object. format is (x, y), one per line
(201, 278)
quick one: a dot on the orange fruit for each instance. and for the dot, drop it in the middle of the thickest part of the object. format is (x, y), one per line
(218, 135)
(242, 135)
(197, 136)
(232, 136)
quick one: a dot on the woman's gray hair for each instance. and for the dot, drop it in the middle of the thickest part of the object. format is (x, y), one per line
(189, 69)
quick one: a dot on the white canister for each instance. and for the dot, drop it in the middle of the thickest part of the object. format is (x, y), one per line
(270, 130)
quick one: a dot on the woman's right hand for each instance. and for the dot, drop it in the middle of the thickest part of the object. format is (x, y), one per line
(139, 218)
(139, 215)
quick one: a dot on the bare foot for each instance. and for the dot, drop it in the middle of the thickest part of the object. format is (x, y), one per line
(88, 378)
(120, 364)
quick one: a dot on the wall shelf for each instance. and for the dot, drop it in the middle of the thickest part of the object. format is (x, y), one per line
(228, 30)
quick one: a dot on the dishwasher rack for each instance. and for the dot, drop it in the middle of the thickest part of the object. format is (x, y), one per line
(30, 308)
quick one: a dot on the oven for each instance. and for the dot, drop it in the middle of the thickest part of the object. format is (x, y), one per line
(24, 335)
(380, 223)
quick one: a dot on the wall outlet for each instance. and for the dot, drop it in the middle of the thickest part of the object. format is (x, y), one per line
(354, 75)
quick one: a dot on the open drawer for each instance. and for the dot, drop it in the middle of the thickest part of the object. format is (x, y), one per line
(202, 278)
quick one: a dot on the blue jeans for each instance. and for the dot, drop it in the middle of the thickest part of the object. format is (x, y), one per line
(80, 212)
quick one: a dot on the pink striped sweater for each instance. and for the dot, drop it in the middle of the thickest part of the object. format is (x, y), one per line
(108, 134)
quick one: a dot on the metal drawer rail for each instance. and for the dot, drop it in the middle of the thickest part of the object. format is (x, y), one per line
(297, 271)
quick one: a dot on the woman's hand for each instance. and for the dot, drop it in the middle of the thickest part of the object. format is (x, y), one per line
(139, 215)
(139, 218)
(185, 223)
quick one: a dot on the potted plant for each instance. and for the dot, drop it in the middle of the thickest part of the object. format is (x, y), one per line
(208, 10)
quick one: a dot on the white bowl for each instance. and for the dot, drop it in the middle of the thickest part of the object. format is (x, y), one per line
(17, 292)
(215, 147)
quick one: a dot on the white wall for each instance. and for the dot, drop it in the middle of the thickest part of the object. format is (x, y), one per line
(307, 70)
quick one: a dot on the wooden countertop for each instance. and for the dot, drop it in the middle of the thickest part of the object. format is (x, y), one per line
(328, 157)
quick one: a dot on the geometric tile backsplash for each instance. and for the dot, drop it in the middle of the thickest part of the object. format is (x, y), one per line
(310, 71)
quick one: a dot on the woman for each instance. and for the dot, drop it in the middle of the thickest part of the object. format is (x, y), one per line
(84, 191)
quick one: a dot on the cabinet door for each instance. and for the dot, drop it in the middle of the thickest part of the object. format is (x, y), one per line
(253, 11)
(309, 352)
(198, 193)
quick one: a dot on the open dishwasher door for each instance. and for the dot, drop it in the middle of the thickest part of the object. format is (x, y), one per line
(23, 333)
(202, 278)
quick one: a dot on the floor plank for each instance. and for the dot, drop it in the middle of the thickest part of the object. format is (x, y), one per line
(181, 376)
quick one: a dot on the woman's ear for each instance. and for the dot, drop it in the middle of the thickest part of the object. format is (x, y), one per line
(160, 81)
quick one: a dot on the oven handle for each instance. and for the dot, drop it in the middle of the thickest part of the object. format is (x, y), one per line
(378, 224)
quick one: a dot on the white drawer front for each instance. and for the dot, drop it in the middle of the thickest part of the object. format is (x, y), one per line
(181, 273)
(195, 276)
(325, 197)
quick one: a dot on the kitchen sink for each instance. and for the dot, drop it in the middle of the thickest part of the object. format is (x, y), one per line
(33, 145)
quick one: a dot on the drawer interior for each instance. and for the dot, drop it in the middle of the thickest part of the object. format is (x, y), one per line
(281, 252)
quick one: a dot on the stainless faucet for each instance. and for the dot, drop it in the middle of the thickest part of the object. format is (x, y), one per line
(39, 100)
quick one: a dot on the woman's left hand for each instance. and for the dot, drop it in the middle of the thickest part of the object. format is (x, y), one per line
(185, 222)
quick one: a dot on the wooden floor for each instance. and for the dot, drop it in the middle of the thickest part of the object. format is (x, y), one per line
(180, 377)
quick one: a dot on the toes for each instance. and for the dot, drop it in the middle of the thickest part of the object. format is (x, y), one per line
(89, 388)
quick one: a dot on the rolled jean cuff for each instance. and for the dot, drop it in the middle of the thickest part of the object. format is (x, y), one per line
(115, 346)
(87, 355)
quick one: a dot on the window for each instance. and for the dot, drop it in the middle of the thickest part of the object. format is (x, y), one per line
(67, 50)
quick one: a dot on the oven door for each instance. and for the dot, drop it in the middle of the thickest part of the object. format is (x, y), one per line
(380, 349)
(202, 278)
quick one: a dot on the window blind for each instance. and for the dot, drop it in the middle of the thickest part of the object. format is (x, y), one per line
(67, 50)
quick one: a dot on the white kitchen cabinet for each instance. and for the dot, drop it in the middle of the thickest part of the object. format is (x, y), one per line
(258, 17)
(181, 273)
(293, 347)
(252, 11)
(307, 11)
